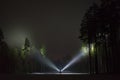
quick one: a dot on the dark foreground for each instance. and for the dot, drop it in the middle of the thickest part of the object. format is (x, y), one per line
(60, 77)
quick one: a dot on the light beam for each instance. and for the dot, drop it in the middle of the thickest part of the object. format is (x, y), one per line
(75, 59)
(82, 53)
(44, 60)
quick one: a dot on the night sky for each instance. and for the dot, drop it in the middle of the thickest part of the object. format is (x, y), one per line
(54, 24)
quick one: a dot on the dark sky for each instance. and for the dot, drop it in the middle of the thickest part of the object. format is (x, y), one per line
(54, 24)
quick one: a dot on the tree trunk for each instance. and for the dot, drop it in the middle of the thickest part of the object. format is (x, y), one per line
(96, 60)
(90, 65)
(106, 54)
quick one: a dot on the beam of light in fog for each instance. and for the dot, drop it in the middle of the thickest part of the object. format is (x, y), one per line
(75, 59)
(44, 60)
(84, 52)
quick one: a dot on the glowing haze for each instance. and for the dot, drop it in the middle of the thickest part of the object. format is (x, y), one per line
(54, 23)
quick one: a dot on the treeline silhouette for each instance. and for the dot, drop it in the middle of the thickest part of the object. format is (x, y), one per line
(18, 60)
(101, 26)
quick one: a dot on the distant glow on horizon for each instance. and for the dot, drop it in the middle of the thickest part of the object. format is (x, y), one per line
(92, 48)
(43, 51)
(85, 50)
